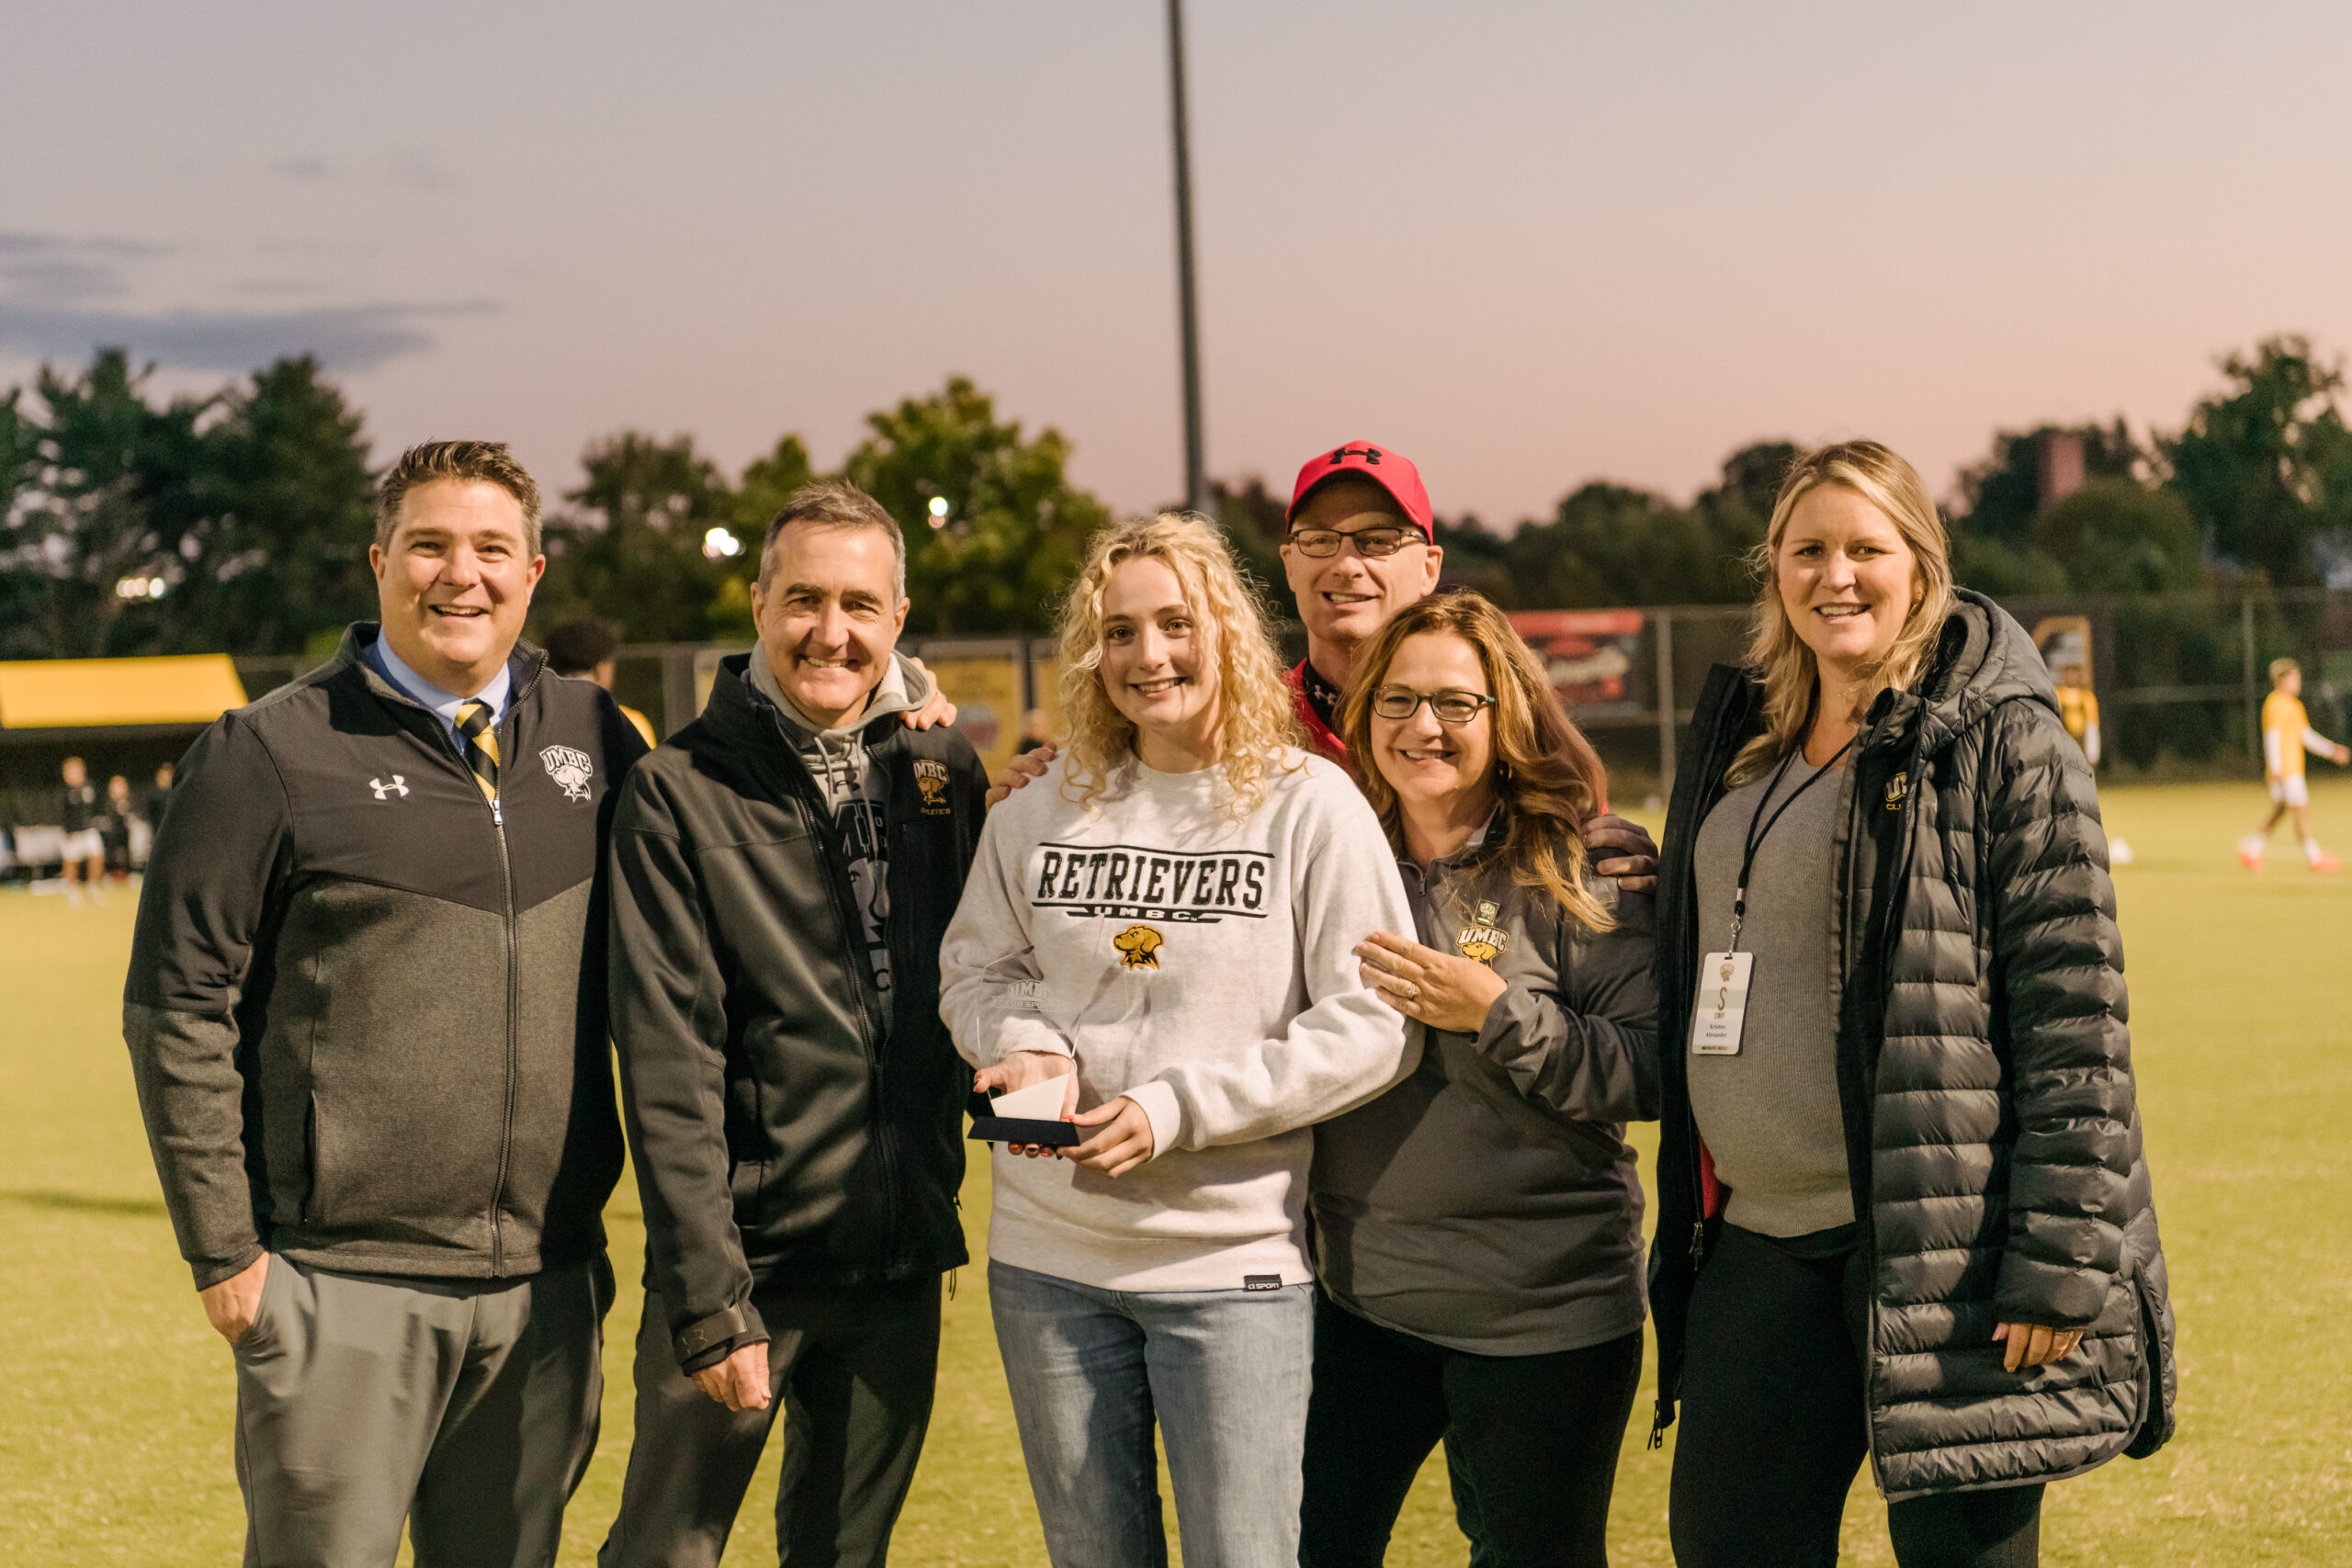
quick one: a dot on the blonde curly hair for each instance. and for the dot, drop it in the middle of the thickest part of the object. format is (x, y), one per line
(1254, 702)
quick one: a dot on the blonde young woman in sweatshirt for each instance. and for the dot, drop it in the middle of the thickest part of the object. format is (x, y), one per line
(1167, 922)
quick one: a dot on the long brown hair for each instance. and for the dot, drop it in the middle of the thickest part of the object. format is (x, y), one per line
(1547, 776)
(1778, 656)
(1259, 723)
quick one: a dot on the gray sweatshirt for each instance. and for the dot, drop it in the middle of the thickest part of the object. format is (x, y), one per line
(857, 794)
(1489, 1203)
(1203, 968)
(1769, 1115)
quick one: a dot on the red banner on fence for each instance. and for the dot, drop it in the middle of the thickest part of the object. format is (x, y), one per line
(1588, 654)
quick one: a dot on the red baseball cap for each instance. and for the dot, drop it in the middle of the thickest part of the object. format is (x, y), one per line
(1361, 460)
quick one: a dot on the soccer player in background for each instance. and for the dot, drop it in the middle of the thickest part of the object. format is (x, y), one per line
(2078, 711)
(113, 828)
(2287, 733)
(158, 796)
(583, 650)
(86, 851)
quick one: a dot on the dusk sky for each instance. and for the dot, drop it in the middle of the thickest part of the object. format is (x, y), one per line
(1528, 244)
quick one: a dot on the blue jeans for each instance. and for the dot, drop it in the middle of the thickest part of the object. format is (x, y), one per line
(1226, 1373)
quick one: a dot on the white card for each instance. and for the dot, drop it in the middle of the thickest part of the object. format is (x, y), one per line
(1720, 1007)
(1038, 1102)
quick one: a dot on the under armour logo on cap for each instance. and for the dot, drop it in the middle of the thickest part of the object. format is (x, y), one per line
(1362, 461)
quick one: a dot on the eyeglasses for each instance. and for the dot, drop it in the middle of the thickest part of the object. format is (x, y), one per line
(1454, 708)
(1373, 544)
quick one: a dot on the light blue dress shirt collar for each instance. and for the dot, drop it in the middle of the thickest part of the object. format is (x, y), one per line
(445, 707)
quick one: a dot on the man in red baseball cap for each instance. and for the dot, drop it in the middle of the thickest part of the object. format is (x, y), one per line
(1362, 547)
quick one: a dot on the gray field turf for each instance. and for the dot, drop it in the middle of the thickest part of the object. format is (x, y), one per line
(115, 1397)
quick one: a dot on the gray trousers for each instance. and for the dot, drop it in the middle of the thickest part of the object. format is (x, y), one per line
(851, 1369)
(467, 1408)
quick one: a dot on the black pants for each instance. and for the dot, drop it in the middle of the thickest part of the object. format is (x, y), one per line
(1773, 1426)
(1531, 1442)
(850, 1371)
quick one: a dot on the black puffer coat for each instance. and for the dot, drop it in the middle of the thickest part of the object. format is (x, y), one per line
(1984, 1068)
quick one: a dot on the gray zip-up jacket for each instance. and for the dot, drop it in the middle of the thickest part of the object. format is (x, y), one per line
(366, 1010)
(1489, 1202)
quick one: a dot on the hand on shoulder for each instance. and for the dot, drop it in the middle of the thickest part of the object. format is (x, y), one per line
(1621, 850)
(1017, 773)
(937, 710)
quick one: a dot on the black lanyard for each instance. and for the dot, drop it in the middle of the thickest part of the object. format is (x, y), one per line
(1760, 826)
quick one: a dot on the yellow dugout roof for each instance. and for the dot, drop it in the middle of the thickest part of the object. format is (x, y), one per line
(72, 694)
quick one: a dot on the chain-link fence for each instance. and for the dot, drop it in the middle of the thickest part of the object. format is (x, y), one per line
(2180, 678)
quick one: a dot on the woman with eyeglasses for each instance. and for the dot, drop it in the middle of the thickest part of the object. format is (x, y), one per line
(1478, 1227)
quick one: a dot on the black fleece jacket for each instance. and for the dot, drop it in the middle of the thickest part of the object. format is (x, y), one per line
(366, 1011)
(1984, 1074)
(778, 1129)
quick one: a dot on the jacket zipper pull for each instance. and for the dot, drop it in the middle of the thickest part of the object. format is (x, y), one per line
(1698, 1242)
(498, 813)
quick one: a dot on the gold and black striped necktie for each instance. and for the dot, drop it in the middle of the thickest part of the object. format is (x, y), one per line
(481, 745)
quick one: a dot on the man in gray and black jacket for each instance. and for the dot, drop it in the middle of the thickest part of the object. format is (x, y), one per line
(784, 870)
(365, 1013)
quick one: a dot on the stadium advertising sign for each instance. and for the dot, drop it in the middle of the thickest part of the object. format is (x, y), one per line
(1589, 656)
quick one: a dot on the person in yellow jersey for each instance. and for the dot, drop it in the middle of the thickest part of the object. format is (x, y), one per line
(2078, 711)
(584, 649)
(2287, 733)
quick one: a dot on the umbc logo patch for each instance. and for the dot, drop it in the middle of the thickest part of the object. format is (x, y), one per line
(931, 778)
(1480, 942)
(569, 769)
(1138, 947)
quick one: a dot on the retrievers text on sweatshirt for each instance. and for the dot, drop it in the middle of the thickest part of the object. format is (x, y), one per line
(1205, 969)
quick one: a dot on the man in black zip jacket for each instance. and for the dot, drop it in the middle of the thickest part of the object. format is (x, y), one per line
(366, 1014)
(784, 870)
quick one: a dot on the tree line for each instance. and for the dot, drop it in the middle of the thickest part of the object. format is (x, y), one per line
(238, 521)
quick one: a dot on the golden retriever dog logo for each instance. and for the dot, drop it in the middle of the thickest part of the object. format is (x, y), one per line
(931, 778)
(1138, 947)
(1480, 942)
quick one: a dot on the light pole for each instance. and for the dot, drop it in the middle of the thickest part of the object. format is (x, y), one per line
(1196, 480)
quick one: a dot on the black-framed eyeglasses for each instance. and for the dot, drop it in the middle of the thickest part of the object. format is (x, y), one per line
(1456, 708)
(1373, 544)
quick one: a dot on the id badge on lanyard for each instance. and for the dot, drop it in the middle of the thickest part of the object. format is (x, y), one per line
(1719, 1010)
(1722, 1008)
